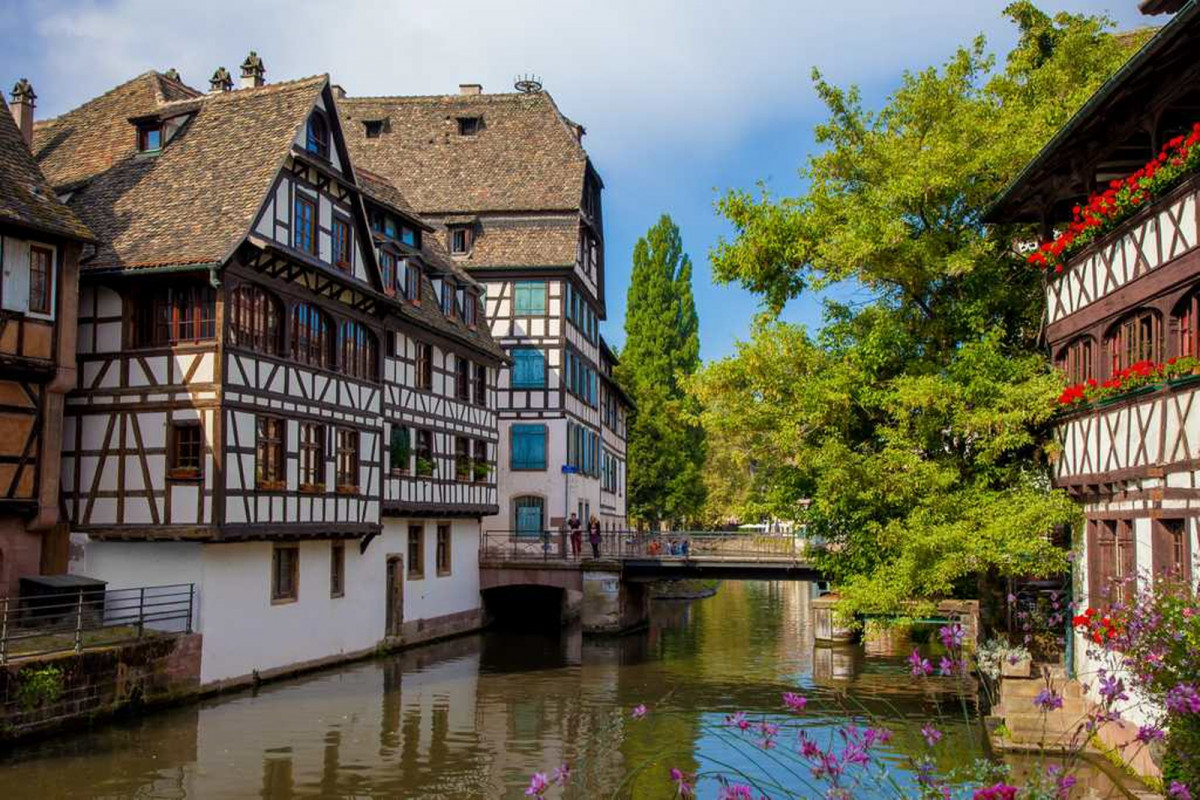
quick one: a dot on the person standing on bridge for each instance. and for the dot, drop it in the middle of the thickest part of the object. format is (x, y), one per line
(594, 535)
(574, 526)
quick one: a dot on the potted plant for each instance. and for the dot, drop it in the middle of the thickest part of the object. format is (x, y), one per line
(426, 466)
(1016, 662)
(481, 471)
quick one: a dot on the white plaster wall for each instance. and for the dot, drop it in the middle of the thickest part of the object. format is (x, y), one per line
(433, 595)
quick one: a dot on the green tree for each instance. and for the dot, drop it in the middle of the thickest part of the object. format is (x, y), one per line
(662, 348)
(917, 423)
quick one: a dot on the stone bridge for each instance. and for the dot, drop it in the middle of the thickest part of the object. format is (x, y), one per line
(610, 593)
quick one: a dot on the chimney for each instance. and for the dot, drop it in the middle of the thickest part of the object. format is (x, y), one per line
(220, 81)
(173, 74)
(253, 71)
(470, 88)
(22, 110)
(338, 92)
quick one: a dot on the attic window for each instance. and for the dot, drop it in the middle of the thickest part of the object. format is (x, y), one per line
(317, 139)
(460, 240)
(469, 126)
(149, 138)
(374, 127)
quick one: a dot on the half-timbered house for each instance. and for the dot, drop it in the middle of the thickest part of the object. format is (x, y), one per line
(515, 202)
(40, 243)
(266, 403)
(1130, 297)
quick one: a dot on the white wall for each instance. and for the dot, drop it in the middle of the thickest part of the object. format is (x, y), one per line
(433, 595)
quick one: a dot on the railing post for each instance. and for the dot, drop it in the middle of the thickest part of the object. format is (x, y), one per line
(79, 622)
(141, 611)
(4, 633)
(191, 605)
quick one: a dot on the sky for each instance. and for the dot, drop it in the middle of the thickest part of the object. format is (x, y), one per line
(682, 100)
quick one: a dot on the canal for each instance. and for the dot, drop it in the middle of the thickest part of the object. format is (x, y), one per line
(474, 717)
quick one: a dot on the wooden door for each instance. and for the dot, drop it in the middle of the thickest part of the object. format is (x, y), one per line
(395, 594)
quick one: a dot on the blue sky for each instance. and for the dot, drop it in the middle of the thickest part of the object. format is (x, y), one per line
(681, 100)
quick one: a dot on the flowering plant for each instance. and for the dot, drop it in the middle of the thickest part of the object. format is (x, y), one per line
(1143, 373)
(1123, 198)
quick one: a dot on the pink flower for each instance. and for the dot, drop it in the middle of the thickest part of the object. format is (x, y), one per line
(1179, 791)
(736, 791)
(920, 666)
(537, 785)
(794, 701)
(999, 791)
(684, 783)
(562, 775)
(932, 735)
(638, 712)
(738, 721)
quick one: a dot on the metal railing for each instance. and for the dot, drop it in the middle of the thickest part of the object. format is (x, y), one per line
(59, 622)
(625, 545)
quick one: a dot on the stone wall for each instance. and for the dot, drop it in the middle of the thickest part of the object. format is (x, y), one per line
(38, 695)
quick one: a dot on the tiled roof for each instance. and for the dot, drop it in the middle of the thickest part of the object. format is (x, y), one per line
(383, 191)
(88, 140)
(525, 157)
(194, 201)
(533, 241)
(25, 196)
(429, 314)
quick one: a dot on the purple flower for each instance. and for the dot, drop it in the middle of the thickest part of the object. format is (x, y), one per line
(932, 735)
(1179, 791)
(999, 791)
(1149, 733)
(638, 712)
(562, 774)
(1183, 699)
(1048, 700)
(808, 748)
(952, 636)
(1064, 785)
(684, 783)
(1112, 689)
(537, 785)
(920, 666)
(738, 721)
(794, 701)
(736, 791)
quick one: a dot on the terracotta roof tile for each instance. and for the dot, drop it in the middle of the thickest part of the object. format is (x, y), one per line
(531, 241)
(193, 201)
(25, 195)
(525, 156)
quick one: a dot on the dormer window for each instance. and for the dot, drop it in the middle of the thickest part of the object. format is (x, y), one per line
(387, 268)
(469, 126)
(412, 283)
(149, 138)
(374, 128)
(460, 240)
(446, 289)
(317, 140)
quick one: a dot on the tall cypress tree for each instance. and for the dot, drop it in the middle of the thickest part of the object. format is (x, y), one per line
(662, 346)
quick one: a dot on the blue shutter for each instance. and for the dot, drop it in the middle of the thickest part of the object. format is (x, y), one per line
(529, 368)
(528, 447)
(529, 297)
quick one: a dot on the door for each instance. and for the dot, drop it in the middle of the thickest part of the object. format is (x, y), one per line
(395, 594)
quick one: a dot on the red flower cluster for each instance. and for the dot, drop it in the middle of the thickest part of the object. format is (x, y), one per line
(1123, 197)
(1129, 378)
(1098, 628)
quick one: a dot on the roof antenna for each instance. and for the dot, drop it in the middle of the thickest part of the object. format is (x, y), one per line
(528, 84)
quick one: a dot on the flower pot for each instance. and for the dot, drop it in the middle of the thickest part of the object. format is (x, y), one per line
(1117, 398)
(1184, 380)
(1021, 669)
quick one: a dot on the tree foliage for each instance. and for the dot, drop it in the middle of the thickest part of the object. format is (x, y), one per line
(662, 348)
(917, 423)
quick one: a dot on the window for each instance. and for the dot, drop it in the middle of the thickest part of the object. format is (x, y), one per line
(447, 299)
(528, 447)
(341, 244)
(481, 468)
(312, 337)
(173, 314)
(1075, 360)
(400, 448)
(1136, 338)
(304, 225)
(469, 126)
(424, 376)
(337, 570)
(470, 308)
(255, 320)
(462, 378)
(285, 574)
(1170, 549)
(387, 272)
(529, 368)
(347, 460)
(425, 463)
(149, 138)
(529, 516)
(529, 298)
(360, 352)
(1187, 317)
(481, 385)
(41, 272)
(317, 140)
(269, 453)
(443, 550)
(374, 127)
(412, 283)
(416, 552)
(312, 457)
(460, 240)
(1111, 561)
(462, 458)
(187, 450)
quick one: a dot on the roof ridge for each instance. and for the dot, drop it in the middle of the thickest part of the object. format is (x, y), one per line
(49, 121)
(256, 91)
(470, 98)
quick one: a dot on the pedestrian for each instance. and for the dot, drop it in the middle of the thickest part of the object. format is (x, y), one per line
(576, 534)
(594, 536)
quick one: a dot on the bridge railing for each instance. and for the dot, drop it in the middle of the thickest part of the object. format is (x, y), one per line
(561, 546)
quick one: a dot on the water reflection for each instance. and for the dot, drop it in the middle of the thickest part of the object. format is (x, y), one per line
(473, 717)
